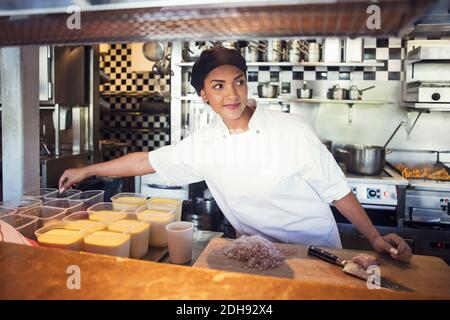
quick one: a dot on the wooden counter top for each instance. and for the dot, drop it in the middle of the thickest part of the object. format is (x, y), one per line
(40, 273)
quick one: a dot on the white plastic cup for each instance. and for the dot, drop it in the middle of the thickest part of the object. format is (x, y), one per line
(180, 239)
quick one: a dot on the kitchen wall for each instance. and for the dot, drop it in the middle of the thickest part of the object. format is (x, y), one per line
(125, 91)
(372, 124)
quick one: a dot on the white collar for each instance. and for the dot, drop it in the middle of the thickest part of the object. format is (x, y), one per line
(255, 123)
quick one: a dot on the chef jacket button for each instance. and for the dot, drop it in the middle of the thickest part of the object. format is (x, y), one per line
(257, 131)
(224, 136)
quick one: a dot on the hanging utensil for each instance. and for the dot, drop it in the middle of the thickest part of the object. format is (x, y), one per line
(153, 50)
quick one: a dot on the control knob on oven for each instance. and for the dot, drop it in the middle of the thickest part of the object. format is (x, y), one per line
(436, 96)
(373, 193)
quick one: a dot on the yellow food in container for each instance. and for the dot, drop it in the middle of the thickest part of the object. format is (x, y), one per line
(172, 202)
(128, 201)
(139, 232)
(88, 226)
(158, 221)
(107, 215)
(108, 243)
(62, 238)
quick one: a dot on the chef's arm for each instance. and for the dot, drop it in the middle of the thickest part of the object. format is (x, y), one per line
(350, 208)
(132, 164)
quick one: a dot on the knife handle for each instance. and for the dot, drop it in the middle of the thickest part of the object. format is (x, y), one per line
(325, 255)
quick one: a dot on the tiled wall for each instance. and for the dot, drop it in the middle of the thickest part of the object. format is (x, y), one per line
(389, 51)
(143, 132)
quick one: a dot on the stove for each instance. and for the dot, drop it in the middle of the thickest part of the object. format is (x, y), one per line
(380, 191)
(428, 193)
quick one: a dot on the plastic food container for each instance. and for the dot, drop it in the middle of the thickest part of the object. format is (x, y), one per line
(66, 194)
(104, 211)
(128, 201)
(89, 198)
(46, 215)
(26, 225)
(80, 221)
(108, 243)
(57, 236)
(159, 216)
(139, 233)
(4, 211)
(70, 205)
(41, 193)
(178, 203)
(22, 204)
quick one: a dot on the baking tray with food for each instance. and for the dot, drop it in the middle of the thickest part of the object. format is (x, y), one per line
(436, 171)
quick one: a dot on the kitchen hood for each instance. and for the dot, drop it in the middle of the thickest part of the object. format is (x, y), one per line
(434, 23)
(45, 22)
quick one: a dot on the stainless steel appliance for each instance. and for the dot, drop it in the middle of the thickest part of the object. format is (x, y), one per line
(152, 185)
(427, 61)
(383, 191)
(388, 199)
(428, 194)
(425, 91)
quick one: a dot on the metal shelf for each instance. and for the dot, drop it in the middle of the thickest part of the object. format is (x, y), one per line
(140, 130)
(126, 93)
(431, 106)
(296, 100)
(429, 53)
(304, 64)
(134, 113)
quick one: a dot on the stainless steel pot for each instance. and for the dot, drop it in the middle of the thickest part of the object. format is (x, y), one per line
(355, 94)
(304, 92)
(364, 159)
(337, 93)
(267, 90)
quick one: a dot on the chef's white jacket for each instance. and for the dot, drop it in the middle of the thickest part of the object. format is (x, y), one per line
(276, 179)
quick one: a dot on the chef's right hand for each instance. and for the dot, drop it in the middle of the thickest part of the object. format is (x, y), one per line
(70, 177)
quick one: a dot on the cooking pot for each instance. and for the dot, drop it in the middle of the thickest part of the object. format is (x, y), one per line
(193, 49)
(337, 93)
(304, 92)
(267, 90)
(355, 94)
(204, 213)
(364, 159)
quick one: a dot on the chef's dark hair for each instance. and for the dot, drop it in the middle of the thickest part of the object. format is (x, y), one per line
(211, 59)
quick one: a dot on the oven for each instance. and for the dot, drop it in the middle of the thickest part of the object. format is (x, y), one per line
(382, 196)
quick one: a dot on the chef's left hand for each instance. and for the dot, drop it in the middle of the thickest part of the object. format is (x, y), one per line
(394, 245)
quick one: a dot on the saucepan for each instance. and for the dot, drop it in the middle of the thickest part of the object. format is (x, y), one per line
(267, 90)
(355, 94)
(364, 159)
(337, 93)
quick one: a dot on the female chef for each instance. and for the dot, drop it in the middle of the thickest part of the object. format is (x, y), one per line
(267, 170)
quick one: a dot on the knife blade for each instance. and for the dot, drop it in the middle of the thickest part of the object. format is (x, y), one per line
(354, 269)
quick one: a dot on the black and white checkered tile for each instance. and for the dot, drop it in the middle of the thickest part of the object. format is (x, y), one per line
(116, 63)
(389, 51)
(140, 121)
(145, 141)
(128, 127)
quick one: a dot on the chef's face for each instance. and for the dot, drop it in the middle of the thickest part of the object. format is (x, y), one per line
(225, 89)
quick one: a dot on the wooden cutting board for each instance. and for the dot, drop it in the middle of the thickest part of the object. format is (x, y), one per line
(429, 276)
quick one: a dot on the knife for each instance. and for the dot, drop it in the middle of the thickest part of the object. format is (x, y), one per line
(354, 269)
